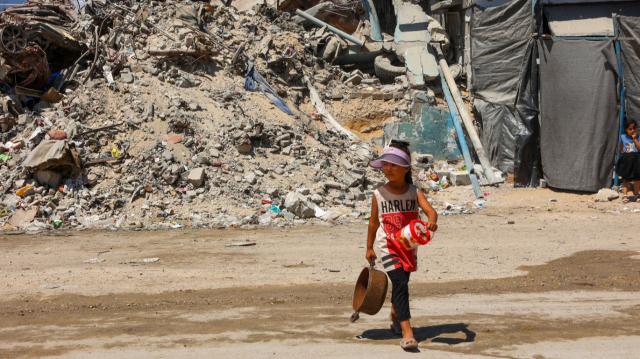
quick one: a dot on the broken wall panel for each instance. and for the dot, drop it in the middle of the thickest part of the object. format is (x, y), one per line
(432, 133)
(502, 65)
(630, 56)
(579, 118)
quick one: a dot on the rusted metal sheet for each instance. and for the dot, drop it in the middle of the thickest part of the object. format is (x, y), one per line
(31, 66)
(35, 36)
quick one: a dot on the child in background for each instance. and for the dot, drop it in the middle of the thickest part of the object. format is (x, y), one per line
(628, 165)
(394, 205)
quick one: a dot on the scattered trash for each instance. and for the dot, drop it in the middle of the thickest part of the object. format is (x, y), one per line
(49, 286)
(93, 261)
(240, 244)
(151, 260)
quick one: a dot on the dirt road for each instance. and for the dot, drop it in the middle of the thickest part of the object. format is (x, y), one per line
(560, 281)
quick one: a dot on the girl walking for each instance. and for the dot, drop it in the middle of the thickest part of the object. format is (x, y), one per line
(394, 205)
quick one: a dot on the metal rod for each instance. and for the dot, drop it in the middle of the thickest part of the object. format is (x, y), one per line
(461, 139)
(329, 27)
(621, 84)
(466, 119)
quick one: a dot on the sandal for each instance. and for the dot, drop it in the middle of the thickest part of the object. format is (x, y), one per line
(396, 328)
(625, 199)
(638, 199)
(408, 343)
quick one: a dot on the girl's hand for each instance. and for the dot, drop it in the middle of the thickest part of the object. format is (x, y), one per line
(432, 226)
(634, 136)
(371, 255)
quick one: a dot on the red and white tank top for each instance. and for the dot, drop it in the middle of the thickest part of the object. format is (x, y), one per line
(394, 212)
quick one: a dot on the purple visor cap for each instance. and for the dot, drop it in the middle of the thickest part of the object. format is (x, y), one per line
(392, 155)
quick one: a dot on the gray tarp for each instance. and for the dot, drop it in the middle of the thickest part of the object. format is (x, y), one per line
(579, 118)
(630, 53)
(502, 53)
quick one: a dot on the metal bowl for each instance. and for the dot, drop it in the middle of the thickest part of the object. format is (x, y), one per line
(370, 292)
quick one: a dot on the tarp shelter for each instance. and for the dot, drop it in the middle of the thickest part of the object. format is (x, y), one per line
(568, 133)
(629, 28)
(579, 117)
(504, 85)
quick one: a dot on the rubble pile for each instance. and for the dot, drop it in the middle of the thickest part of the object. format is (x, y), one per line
(170, 114)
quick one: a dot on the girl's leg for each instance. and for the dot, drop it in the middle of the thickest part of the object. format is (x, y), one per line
(636, 188)
(400, 300)
(393, 316)
(625, 189)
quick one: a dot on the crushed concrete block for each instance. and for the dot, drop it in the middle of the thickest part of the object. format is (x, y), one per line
(354, 80)
(423, 158)
(50, 178)
(460, 178)
(196, 177)
(606, 195)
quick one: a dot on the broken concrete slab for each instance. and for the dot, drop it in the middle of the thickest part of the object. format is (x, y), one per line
(460, 178)
(49, 178)
(196, 177)
(606, 195)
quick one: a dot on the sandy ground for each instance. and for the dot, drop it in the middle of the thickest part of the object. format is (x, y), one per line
(524, 278)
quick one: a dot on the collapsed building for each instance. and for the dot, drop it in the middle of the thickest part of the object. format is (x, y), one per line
(164, 114)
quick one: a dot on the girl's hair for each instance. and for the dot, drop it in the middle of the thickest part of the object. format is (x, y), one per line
(404, 147)
(626, 124)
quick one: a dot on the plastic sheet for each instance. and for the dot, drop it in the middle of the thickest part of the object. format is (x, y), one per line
(505, 86)
(580, 120)
(255, 82)
(630, 55)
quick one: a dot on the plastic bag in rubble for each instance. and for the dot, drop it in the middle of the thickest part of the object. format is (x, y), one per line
(254, 82)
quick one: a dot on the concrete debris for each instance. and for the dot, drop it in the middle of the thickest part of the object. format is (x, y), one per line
(606, 195)
(147, 121)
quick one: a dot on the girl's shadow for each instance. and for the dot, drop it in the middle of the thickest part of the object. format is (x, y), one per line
(424, 333)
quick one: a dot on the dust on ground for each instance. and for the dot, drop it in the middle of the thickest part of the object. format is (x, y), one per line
(561, 281)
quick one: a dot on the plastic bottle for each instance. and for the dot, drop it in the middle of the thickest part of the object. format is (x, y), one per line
(413, 235)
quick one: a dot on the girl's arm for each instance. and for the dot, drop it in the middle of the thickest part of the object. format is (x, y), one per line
(374, 223)
(621, 149)
(635, 139)
(429, 211)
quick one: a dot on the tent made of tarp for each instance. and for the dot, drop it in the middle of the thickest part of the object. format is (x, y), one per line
(630, 58)
(551, 107)
(505, 86)
(579, 118)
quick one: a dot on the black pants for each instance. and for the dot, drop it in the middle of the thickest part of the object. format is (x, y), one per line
(400, 293)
